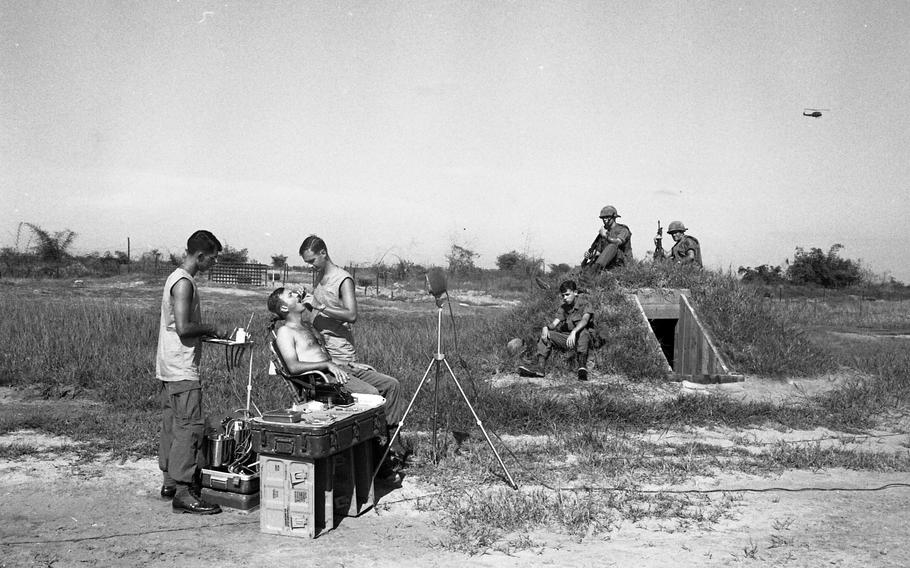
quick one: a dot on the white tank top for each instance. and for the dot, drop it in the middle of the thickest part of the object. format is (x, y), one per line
(339, 337)
(177, 359)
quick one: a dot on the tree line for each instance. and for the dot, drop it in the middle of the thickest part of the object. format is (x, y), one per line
(47, 253)
(813, 267)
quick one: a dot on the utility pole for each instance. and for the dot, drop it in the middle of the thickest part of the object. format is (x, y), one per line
(127, 255)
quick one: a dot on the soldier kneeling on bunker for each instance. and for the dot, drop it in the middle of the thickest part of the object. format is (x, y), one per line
(571, 329)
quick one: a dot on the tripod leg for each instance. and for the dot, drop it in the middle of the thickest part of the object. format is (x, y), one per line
(435, 410)
(403, 417)
(512, 483)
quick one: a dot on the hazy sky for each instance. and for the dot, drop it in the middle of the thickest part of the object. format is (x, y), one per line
(399, 128)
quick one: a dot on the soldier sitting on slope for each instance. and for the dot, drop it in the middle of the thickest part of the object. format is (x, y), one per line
(612, 246)
(570, 330)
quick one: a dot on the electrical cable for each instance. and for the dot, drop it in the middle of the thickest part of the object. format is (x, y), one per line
(738, 489)
(590, 489)
(583, 488)
(811, 440)
(142, 533)
(461, 360)
(681, 491)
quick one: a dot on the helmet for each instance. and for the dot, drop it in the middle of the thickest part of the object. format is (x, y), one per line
(676, 226)
(609, 211)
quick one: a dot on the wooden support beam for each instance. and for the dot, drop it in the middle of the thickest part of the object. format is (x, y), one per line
(695, 352)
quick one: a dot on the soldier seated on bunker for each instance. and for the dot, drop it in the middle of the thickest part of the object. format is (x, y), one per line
(686, 249)
(570, 330)
(611, 247)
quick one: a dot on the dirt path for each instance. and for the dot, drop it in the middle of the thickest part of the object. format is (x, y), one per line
(57, 510)
(59, 513)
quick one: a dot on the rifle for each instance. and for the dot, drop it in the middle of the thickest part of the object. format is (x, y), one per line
(593, 251)
(659, 253)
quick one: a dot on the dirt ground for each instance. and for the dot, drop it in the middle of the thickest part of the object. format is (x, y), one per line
(60, 511)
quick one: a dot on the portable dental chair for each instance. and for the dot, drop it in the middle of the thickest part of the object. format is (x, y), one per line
(311, 385)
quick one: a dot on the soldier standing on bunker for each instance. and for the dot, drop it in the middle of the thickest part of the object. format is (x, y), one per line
(180, 334)
(686, 249)
(612, 246)
(569, 330)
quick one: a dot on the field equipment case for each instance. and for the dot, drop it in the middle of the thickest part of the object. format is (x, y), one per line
(318, 434)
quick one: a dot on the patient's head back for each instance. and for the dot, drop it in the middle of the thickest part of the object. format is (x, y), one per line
(275, 303)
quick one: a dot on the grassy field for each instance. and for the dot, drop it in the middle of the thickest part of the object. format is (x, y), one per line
(569, 444)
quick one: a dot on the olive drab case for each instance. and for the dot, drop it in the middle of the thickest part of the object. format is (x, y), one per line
(319, 433)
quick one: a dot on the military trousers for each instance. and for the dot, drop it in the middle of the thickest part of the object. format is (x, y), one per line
(558, 339)
(180, 447)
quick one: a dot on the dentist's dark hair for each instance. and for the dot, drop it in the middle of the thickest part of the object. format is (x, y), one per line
(313, 244)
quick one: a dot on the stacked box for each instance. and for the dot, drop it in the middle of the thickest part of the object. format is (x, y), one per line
(305, 497)
(287, 497)
(317, 467)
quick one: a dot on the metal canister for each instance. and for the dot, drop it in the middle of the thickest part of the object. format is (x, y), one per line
(220, 449)
(237, 432)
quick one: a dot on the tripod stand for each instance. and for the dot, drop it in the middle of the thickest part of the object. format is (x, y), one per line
(438, 359)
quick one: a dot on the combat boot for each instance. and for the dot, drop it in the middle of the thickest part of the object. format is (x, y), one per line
(582, 362)
(537, 371)
(188, 501)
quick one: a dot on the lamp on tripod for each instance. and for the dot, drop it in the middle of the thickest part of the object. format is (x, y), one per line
(436, 285)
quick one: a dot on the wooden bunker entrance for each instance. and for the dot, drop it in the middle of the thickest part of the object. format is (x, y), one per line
(684, 340)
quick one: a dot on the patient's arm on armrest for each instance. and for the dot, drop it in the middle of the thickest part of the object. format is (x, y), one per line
(338, 373)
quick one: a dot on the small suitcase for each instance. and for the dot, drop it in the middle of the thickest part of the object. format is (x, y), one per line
(318, 434)
(231, 482)
(246, 503)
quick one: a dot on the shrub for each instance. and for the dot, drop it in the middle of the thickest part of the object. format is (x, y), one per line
(461, 260)
(828, 270)
(519, 263)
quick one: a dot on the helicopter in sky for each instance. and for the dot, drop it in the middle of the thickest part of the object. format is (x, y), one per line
(814, 112)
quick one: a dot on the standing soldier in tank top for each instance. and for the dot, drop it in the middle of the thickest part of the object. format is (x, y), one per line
(180, 334)
(334, 311)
